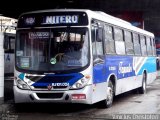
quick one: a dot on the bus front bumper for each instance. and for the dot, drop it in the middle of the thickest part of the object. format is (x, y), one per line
(83, 95)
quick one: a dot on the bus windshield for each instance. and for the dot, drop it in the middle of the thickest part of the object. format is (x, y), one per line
(52, 49)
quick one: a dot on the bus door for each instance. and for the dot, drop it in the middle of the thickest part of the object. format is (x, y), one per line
(98, 54)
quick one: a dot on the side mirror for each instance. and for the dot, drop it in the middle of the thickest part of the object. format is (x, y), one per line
(6, 42)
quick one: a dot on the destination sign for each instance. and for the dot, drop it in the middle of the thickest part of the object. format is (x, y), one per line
(61, 19)
(49, 19)
(38, 35)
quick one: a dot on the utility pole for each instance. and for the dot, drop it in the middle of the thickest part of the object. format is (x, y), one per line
(1, 63)
(1, 68)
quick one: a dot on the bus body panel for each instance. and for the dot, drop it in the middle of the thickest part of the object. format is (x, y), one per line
(128, 71)
(99, 92)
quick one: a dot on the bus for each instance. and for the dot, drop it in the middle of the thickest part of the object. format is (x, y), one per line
(9, 54)
(80, 56)
(8, 30)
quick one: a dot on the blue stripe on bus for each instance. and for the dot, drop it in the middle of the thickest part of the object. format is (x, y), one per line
(122, 67)
(150, 66)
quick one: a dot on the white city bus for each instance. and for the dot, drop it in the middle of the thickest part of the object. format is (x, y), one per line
(80, 56)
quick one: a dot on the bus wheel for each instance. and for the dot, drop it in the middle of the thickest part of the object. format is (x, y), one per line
(142, 89)
(110, 94)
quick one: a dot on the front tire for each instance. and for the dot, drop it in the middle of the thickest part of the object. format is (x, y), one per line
(110, 94)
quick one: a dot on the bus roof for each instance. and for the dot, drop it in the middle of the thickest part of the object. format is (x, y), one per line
(99, 15)
(117, 21)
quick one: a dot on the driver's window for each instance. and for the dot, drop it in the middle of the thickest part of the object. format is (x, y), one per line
(94, 41)
(97, 46)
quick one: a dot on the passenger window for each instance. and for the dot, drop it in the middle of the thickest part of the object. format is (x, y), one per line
(119, 42)
(136, 41)
(153, 46)
(149, 46)
(143, 45)
(129, 43)
(109, 41)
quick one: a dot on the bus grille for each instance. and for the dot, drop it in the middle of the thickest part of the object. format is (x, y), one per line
(50, 95)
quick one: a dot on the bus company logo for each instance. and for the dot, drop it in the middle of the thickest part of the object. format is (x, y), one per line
(68, 19)
(49, 87)
(30, 21)
(124, 69)
(60, 84)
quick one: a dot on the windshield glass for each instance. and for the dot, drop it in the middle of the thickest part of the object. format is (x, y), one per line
(51, 50)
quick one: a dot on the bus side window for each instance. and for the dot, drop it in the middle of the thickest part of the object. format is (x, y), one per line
(136, 43)
(143, 45)
(109, 40)
(12, 43)
(99, 40)
(129, 42)
(6, 42)
(9, 41)
(93, 34)
(149, 46)
(97, 46)
(153, 46)
(119, 41)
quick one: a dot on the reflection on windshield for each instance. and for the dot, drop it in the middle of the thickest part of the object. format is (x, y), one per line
(52, 49)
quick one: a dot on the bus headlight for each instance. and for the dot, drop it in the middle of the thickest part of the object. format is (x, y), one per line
(22, 85)
(81, 83)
